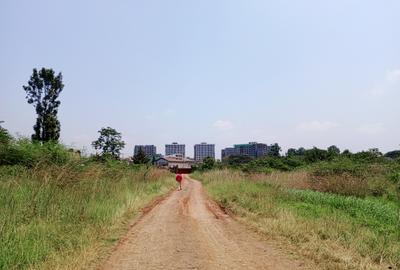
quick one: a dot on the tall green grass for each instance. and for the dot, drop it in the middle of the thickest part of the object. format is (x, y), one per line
(337, 232)
(64, 216)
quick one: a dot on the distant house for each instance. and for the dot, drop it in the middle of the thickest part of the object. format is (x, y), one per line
(175, 161)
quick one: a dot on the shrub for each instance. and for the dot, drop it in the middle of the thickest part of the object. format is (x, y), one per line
(395, 177)
(24, 152)
(5, 137)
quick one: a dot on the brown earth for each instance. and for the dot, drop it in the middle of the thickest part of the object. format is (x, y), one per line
(188, 231)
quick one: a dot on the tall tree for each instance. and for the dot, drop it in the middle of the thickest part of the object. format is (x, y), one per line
(109, 142)
(5, 137)
(42, 91)
(140, 157)
(208, 163)
(275, 150)
(334, 150)
(291, 152)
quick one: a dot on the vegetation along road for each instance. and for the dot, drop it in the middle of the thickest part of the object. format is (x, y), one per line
(188, 231)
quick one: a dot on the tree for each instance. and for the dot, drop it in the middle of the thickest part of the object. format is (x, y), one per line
(208, 163)
(5, 137)
(333, 150)
(110, 142)
(296, 152)
(375, 151)
(275, 150)
(393, 154)
(315, 154)
(236, 160)
(301, 151)
(42, 91)
(140, 157)
(346, 153)
(291, 152)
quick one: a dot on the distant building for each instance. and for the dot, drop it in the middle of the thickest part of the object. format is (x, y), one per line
(149, 150)
(229, 151)
(251, 149)
(175, 161)
(174, 148)
(203, 150)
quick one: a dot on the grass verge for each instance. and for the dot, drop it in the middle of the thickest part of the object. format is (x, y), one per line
(65, 217)
(336, 232)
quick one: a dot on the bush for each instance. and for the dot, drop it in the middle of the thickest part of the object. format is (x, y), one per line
(24, 152)
(395, 177)
(316, 154)
(5, 137)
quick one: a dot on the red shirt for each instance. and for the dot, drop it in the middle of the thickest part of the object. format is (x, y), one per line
(178, 177)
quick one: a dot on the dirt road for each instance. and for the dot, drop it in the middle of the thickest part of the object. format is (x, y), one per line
(188, 231)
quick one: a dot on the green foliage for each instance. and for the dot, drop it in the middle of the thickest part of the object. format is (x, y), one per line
(54, 214)
(364, 228)
(295, 152)
(333, 150)
(393, 154)
(208, 164)
(109, 142)
(5, 137)
(315, 154)
(274, 150)
(339, 166)
(27, 153)
(372, 155)
(140, 157)
(236, 161)
(395, 177)
(42, 91)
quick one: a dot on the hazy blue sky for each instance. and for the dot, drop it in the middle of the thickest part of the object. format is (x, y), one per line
(298, 72)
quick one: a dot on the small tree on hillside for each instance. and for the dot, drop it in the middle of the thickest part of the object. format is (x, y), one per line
(42, 91)
(140, 157)
(110, 142)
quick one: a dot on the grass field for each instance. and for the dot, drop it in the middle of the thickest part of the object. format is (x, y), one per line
(335, 231)
(66, 216)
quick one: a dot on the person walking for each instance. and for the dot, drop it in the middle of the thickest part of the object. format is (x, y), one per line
(179, 179)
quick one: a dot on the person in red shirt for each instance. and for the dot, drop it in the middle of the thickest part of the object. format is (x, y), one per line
(179, 179)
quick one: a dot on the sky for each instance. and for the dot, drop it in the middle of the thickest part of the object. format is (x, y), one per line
(300, 73)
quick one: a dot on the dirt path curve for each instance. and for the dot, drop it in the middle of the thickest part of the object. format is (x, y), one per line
(187, 231)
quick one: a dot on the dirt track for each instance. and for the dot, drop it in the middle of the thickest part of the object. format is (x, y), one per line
(187, 231)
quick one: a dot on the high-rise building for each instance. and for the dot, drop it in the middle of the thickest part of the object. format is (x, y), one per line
(229, 151)
(174, 148)
(149, 150)
(203, 150)
(252, 149)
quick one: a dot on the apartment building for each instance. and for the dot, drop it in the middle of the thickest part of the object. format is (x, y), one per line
(149, 150)
(174, 148)
(203, 150)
